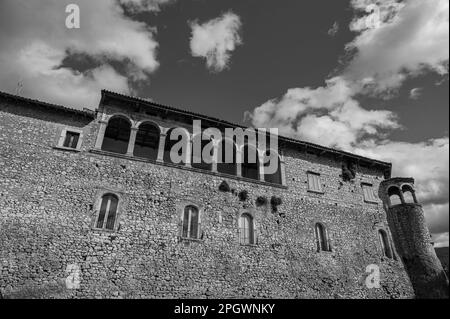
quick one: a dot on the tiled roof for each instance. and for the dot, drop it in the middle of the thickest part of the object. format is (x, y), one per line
(84, 112)
(320, 148)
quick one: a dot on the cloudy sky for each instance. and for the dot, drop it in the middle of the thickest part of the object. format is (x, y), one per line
(370, 77)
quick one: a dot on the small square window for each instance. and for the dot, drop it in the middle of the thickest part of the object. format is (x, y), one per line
(71, 140)
(314, 183)
(369, 195)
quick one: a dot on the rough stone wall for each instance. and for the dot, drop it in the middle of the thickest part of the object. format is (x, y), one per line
(414, 246)
(48, 203)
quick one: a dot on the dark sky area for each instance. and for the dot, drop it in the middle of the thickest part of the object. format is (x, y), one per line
(284, 46)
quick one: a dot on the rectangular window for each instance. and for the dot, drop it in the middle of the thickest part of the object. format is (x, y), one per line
(71, 140)
(314, 183)
(369, 195)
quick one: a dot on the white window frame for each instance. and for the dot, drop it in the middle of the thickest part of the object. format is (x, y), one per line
(62, 138)
(369, 188)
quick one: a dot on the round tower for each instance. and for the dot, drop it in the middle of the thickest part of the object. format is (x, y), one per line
(412, 238)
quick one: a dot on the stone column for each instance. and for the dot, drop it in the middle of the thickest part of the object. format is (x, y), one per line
(162, 144)
(101, 134)
(188, 152)
(282, 170)
(239, 162)
(215, 156)
(132, 141)
(260, 166)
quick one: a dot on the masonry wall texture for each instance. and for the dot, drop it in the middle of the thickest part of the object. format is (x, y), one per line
(49, 199)
(413, 242)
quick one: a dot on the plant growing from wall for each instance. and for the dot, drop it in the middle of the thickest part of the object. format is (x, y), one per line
(261, 201)
(224, 187)
(348, 171)
(243, 195)
(275, 202)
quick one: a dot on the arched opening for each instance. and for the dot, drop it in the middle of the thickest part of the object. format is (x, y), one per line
(170, 153)
(190, 222)
(394, 195)
(322, 238)
(250, 162)
(272, 167)
(246, 230)
(199, 160)
(147, 141)
(108, 211)
(223, 165)
(385, 244)
(408, 194)
(117, 135)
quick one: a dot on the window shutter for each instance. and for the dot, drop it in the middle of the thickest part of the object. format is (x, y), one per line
(102, 213)
(62, 136)
(185, 223)
(240, 231)
(80, 139)
(319, 187)
(112, 214)
(314, 183)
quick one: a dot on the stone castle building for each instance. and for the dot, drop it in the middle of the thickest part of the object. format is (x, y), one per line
(92, 206)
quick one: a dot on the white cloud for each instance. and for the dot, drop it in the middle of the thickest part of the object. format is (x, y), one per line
(35, 42)
(415, 93)
(437, 216)
(440, 240)
(394, 41)
(334, 29)
(397, 40)
(144, 5)
(215, 40)
(327, 115)
(427, 162)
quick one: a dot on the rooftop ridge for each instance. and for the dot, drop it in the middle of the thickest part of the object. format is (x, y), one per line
(91, 114)
(84, 112)
(281, 137)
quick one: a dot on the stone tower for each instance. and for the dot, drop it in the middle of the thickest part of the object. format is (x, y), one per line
(412, 238)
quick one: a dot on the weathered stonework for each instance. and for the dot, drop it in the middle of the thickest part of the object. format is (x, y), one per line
(413, 240)
(49, 200)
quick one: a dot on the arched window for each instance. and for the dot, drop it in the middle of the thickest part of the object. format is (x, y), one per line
(170, 153)
(394, 195)
(272, 157)
(322, 238)
(250, 163)
(191, 222)
(147, 141)
(385, 244)
(246, 230)
(117, 135)
(408, 194)
(108, 212)
(224, 166)
(198, 160)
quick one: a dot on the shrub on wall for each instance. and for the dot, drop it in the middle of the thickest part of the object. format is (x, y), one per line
(224, 187)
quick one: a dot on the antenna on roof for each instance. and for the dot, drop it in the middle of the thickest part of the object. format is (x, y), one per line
(19, 87)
